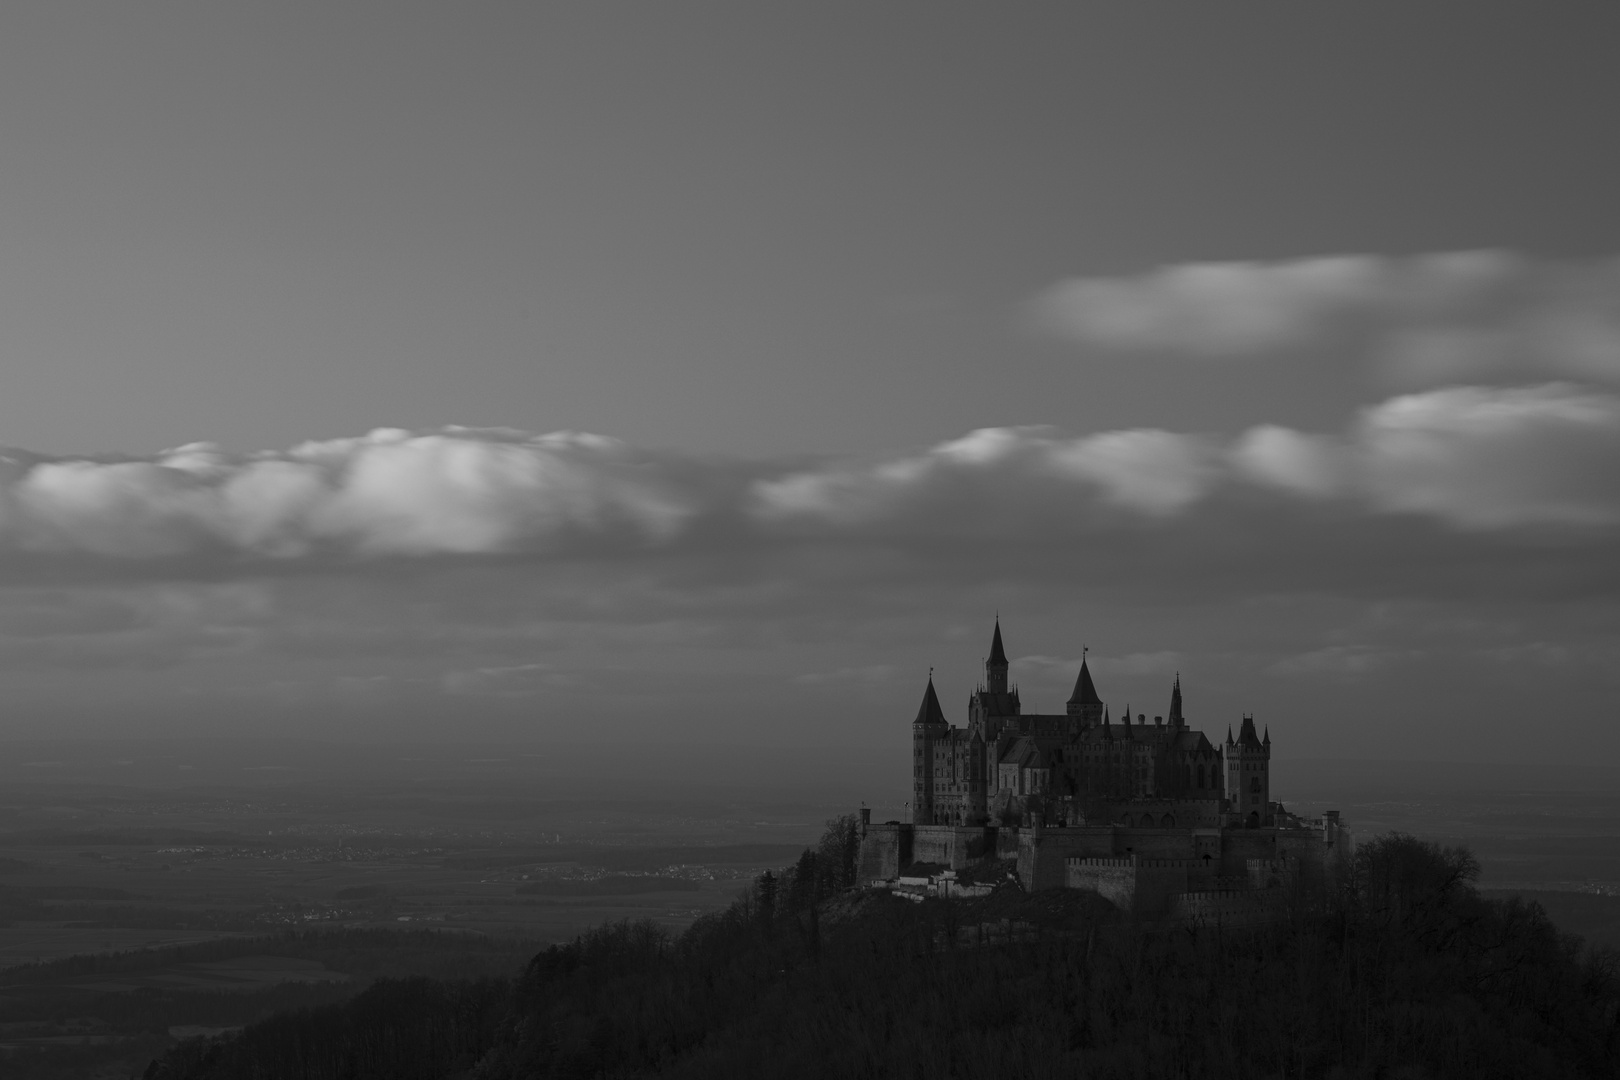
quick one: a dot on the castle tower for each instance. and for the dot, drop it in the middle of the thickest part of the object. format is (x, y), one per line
(995, 668)
(1248, 774)
(1084, 702)
(927, 731)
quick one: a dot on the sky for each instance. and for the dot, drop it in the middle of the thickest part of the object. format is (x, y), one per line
(709, 373)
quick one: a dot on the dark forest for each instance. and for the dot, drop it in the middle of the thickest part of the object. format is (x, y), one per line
(1401, 970)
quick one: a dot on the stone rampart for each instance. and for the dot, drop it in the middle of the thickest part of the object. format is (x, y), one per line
(884, 850)
(1225, 907)
(1181, 814)
(955, 846)
(1042, 853)
(1112, 879)
(1145, 886)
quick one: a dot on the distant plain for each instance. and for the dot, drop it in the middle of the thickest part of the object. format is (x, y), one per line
(232, 877)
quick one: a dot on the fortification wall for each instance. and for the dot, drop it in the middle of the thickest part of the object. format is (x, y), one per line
(1238, 846)
(884, 850)
(1154, 843)
(1181, 813)
(955, 846)
(1042, 853)
(1157, 881)
(1145, 886)
(1225, 907)
(1113, 879)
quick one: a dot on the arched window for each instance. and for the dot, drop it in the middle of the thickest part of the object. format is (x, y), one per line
(1254, 785)
(1200, 776)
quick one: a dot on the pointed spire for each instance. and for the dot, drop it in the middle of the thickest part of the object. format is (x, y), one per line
(1229, 734)
(1085, 691)
(930, 714)
(1175, 718)
(1267, 740)
(995, 668)
(1246, 733)
(1108, 729)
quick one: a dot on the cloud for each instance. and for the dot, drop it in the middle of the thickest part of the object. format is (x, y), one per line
(1475, 458)
(1334, 661)
(1211, 309)
(784, 586)
(453, 491)
(1308, 465)
(514, 681)
(867, 673)
(1425, 320)
(1005, 474)
(1492, 458)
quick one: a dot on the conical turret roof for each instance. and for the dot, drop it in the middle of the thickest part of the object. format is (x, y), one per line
(998, 655)
(929, 713)
(1085, 691)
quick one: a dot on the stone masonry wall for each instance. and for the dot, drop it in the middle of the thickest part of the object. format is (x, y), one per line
(1112, 879)
(883, 851)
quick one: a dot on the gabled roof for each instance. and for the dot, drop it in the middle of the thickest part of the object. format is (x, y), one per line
(1247, 736)
(1085, 691)
(929, 712)
(1024, 752)
(998, 655)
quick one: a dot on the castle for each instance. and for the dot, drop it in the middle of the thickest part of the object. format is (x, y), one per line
(1152, 815)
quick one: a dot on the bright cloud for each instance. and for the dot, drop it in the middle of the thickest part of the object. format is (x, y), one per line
(1491, 458)
(1473, 457)
(1424, 320)
(453, 491)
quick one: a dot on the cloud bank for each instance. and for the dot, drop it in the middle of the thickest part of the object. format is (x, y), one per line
(1469, 458)
(389, 493)
(1425, 320)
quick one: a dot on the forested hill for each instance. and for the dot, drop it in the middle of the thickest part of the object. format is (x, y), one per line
(1405, 971)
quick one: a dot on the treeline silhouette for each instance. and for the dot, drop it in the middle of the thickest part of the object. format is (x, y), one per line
(1400, 968)
(119, 1033)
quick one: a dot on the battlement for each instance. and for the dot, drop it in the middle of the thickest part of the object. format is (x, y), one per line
(1225, 907)
(1139, 863)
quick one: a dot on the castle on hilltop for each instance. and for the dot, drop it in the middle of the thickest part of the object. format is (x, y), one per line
(1152, 815)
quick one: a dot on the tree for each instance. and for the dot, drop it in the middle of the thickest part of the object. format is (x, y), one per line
(839, 852)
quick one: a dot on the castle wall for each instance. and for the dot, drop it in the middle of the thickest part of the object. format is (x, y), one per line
(1144, 886)
(884, 850)
(1224, 907)
(1168, 861)
(1154, 843)
(1113, 879)
(1238, 846)
(955, 846)
(1187, 813)
(1042, 852)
